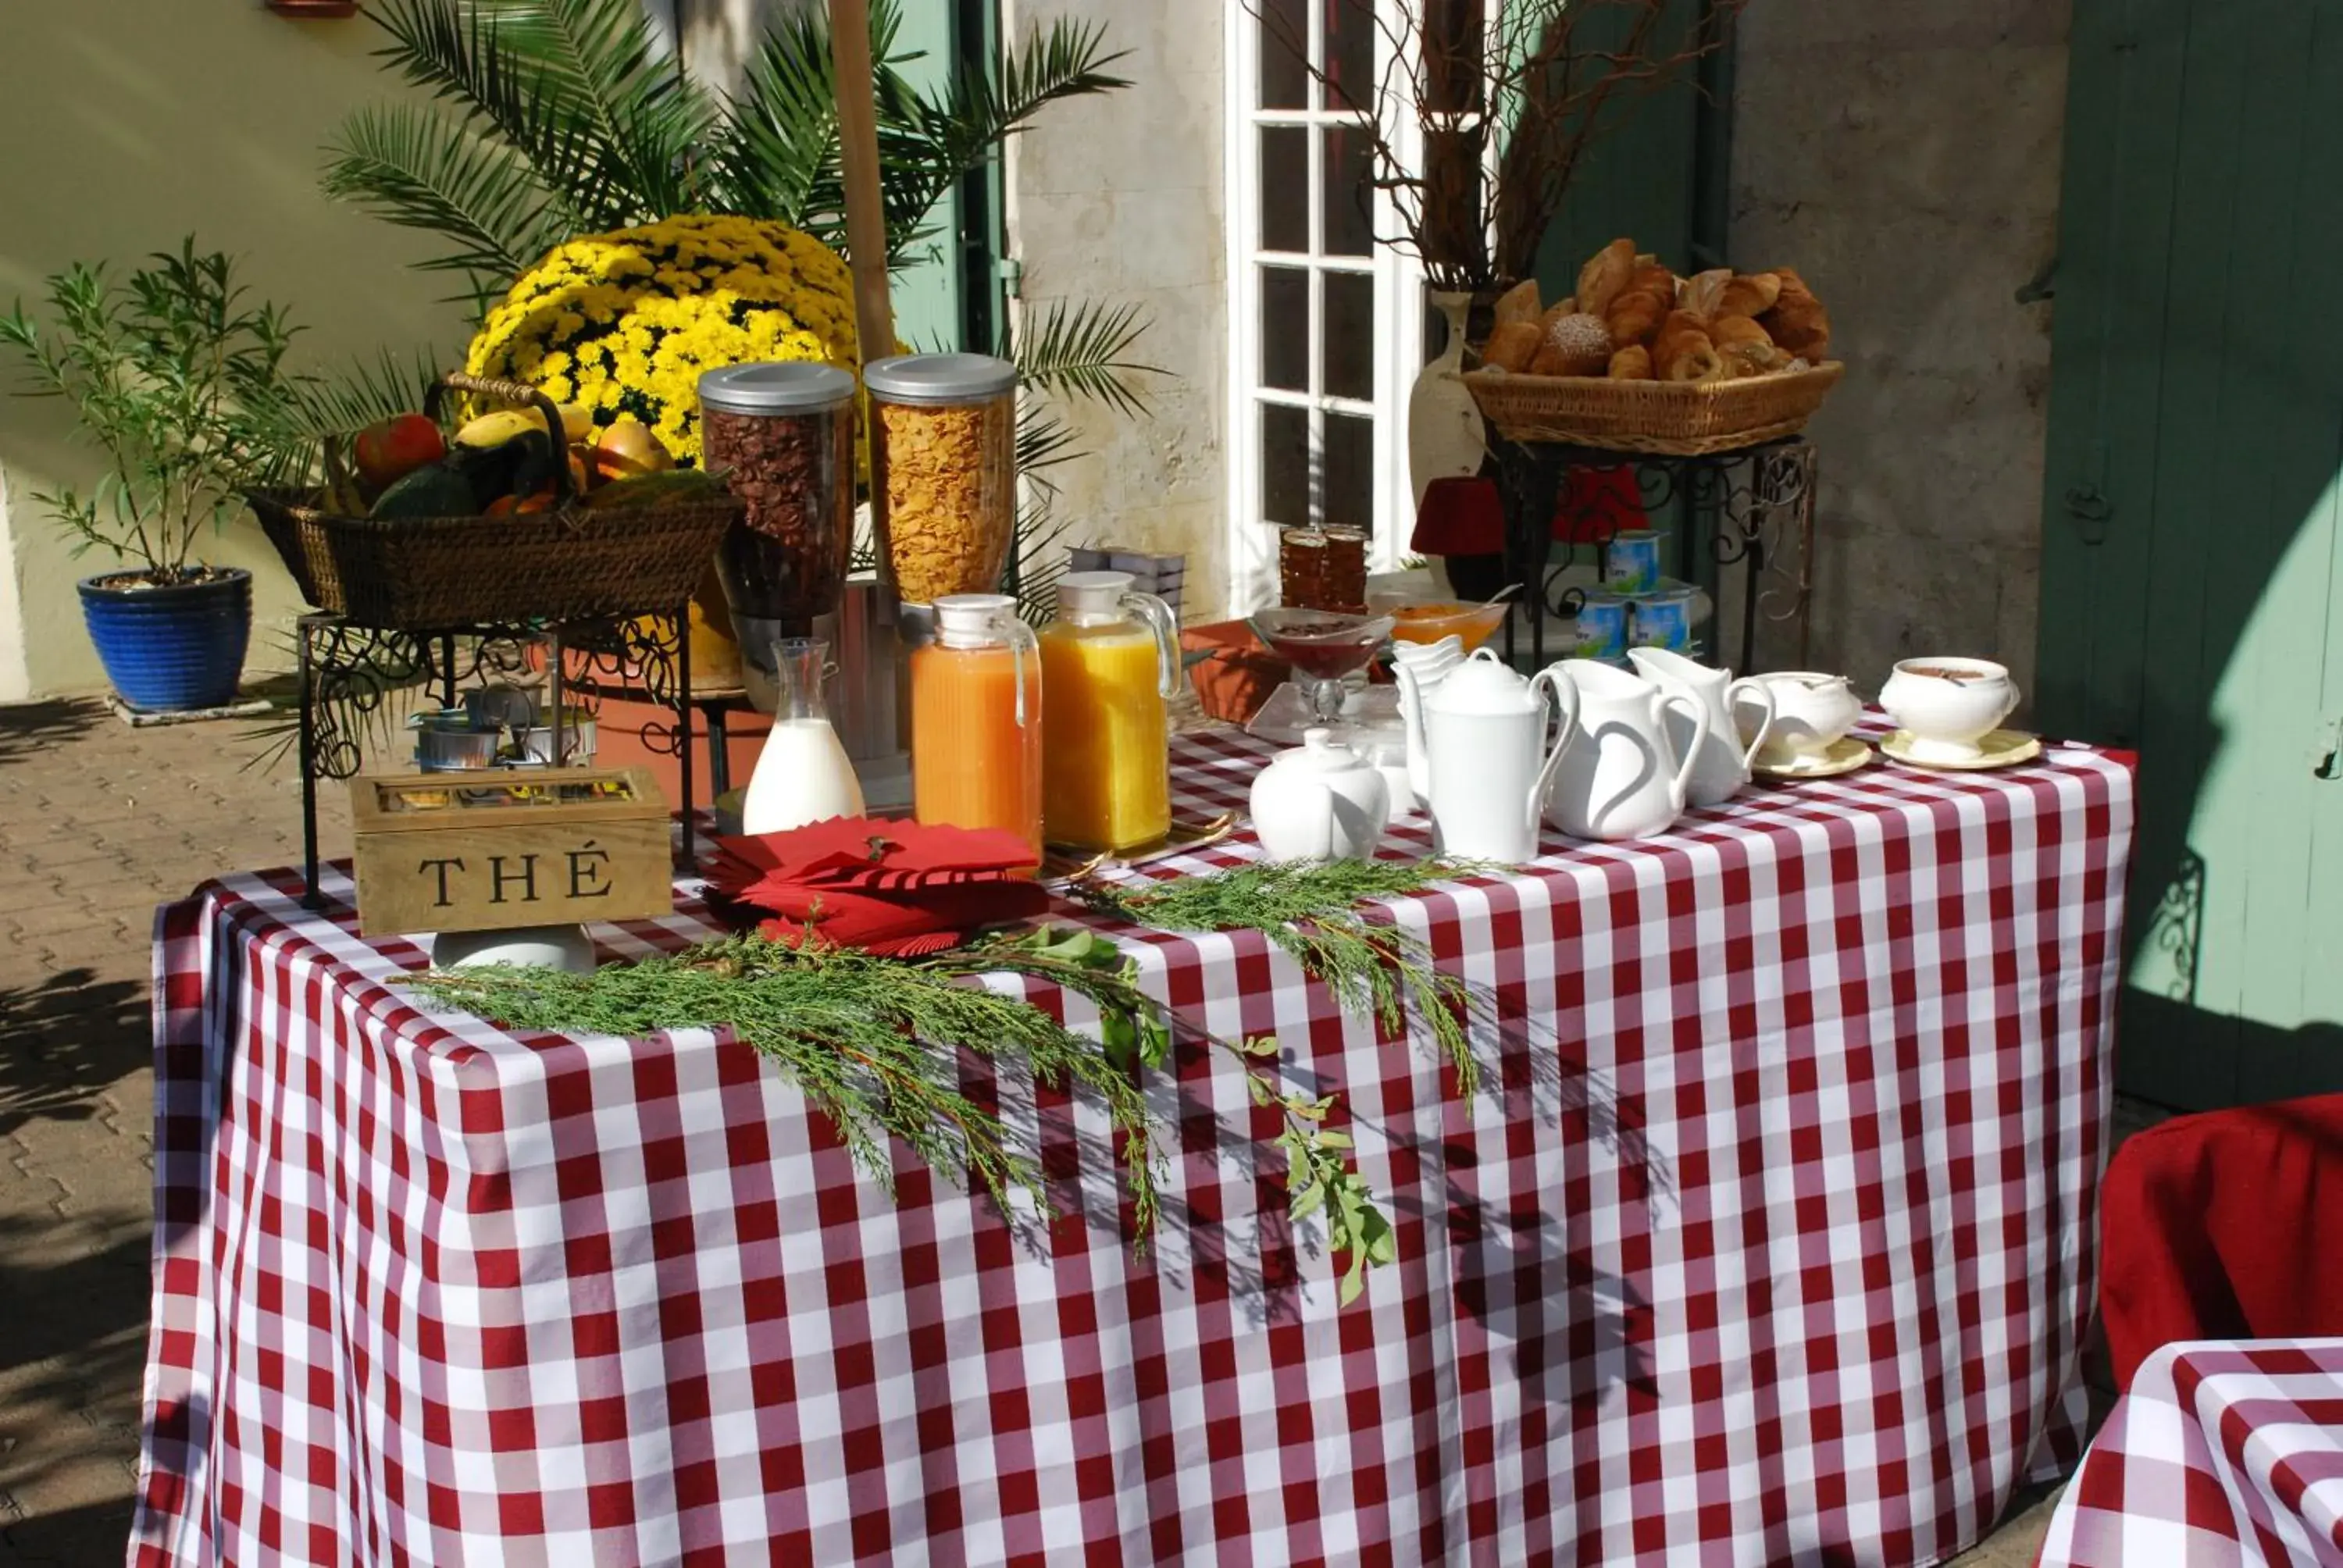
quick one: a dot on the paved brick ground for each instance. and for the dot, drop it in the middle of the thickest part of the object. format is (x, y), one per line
(98, 823)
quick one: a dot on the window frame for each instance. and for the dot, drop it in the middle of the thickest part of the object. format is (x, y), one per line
(1397, 314)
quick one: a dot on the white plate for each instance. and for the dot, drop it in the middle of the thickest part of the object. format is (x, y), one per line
(2001, 748)
(1844, 755)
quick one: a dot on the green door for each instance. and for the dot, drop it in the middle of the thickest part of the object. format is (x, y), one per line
(2190, 574)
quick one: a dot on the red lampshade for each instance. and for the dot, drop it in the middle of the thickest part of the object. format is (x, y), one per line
(1466, 517)
(1460, 517)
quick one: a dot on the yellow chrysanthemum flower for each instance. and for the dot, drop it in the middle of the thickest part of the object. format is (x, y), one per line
(625, 323)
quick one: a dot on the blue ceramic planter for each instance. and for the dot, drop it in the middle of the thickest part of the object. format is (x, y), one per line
(170, 650)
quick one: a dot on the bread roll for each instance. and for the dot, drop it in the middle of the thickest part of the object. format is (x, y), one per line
(1701, 292)
(1738, 331)
(1605, 276)
(1751, 358)
(1575, 345)
(1798, 322)
(1520, 303)
(1634, 315)
(1753, 295)
(1632, 363)
(1512, 345)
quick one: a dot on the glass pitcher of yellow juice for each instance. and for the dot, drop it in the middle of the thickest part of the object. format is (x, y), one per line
(1109, 662)
(976, 720)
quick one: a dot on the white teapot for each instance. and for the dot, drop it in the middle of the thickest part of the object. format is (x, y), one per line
(1623, 777)
(1320, 802)
(1487, 767)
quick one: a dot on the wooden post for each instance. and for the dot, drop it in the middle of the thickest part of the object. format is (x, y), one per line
(858, 152)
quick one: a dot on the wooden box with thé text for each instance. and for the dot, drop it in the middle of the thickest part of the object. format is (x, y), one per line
(490, 850)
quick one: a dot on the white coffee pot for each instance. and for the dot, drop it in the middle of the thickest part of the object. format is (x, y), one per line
(1721, 762)
(1481, 734)
(1623, 777)
(1320, 802)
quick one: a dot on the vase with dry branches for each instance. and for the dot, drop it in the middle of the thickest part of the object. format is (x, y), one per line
(1480, 113)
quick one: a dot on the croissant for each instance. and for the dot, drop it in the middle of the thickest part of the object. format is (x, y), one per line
(1605, 276)
(1697, 361)
(1702, 292)
(1512, 345)
(1679, 326)
(1738, 331)
(1751, 358)
(1520, 303)
(1798, 321)
(1634, 314)
(1632, 363)
(1752, 294)
(1657, 281)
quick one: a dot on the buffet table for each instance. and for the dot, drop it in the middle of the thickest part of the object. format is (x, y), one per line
(1768, 1237)
(2222, 1453)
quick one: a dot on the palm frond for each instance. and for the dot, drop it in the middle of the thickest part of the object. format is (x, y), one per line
(1083, 350)
(420, 169)
(929, 144)
(604, 63)
(777, 154)
(336, 406)
(457, 51)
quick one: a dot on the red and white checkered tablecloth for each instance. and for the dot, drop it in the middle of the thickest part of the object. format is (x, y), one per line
(1769, 1239)
(2223, 1453)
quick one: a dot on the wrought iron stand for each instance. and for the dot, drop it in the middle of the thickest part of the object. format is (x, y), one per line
(348, 673)
(1744, 506)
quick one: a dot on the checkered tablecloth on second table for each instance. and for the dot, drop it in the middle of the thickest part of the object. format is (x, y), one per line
(2223, 1453)
(1768, 1238)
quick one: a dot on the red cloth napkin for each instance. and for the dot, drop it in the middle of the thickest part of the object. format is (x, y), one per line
(896, 888)
(2225, 1226)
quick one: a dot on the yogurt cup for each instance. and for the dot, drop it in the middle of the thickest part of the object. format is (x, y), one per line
(1663, 619)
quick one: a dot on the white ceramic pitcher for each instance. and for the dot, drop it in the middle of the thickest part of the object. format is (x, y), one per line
(1721, 763)
(1482, 733)
(1622, 777)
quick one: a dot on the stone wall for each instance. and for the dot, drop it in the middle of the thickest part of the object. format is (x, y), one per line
(1905, 155)
(1119, 199)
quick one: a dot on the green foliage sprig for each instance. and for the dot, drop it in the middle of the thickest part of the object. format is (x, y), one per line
(872, 1044)
(1309, 910)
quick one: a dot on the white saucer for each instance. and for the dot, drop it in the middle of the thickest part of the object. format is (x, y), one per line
(1844, 755)
(2001, 748)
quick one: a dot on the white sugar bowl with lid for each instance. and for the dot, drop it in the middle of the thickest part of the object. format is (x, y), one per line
(1811, 712)
(1320, 802)
(1947, 705)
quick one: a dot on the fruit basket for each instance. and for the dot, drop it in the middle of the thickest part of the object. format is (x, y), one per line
(1667, 419)
(579, 558)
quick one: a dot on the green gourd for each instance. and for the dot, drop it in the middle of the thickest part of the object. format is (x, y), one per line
(434, 490)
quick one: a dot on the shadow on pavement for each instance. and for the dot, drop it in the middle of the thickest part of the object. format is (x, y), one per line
(65, 1039)
(28, 728)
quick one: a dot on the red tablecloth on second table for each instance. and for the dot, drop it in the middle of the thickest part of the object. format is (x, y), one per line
(2222, 1453)
(1769, 1241)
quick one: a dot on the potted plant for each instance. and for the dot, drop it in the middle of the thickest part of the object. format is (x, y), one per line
(181, 383)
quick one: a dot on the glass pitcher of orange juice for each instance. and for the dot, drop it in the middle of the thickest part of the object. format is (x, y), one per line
(976, 718)
(1109, 662)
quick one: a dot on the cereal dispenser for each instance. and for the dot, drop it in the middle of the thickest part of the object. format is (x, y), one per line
(944, 471)
(783, 436)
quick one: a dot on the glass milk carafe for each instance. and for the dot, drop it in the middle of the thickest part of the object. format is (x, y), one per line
(976, 720)
(803, 774)
(1109, 662)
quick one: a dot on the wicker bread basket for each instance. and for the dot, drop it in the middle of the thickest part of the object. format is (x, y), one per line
(1670, 418)
(419, 574)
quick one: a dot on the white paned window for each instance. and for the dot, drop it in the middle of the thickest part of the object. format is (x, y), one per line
(1325, 324)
